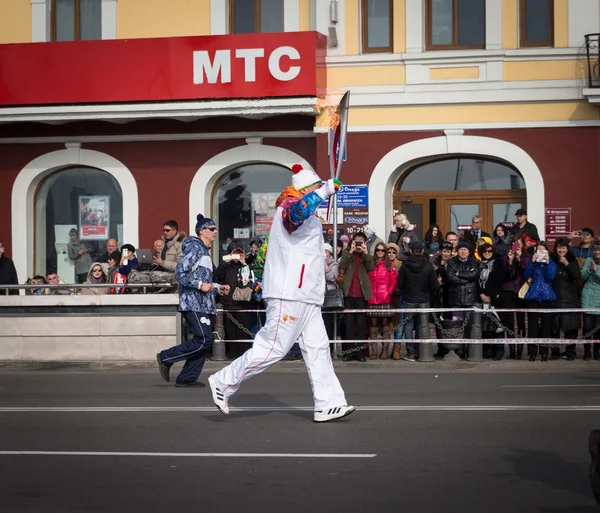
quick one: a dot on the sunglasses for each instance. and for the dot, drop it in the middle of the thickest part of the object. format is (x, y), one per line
(168, 230)
(392, 251)
(380, 250)
(96, 270)
(212, 229)
(488, 251)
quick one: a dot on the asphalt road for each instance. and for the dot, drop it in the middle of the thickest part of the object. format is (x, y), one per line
(123, 441)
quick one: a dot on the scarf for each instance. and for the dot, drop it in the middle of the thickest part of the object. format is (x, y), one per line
(485, 269)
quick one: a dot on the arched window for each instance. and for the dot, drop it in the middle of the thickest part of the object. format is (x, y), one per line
(86, 199)
(451, 191)
(244, 202)
(462, 174)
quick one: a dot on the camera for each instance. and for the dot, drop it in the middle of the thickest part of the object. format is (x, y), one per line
(584, 234)
(358, 243)
(229, 258)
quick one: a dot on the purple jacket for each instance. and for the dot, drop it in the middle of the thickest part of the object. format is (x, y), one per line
(515, 273)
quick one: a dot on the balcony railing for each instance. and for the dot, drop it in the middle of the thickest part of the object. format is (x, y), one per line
(592, 46)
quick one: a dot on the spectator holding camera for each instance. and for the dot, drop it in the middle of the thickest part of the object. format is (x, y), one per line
(585, 249)
(355, 266)
(540, 295)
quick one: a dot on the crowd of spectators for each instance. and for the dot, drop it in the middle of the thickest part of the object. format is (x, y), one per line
(511, 268)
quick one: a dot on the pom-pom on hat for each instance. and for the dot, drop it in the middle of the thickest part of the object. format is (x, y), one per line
(203, 222)
(303, 178)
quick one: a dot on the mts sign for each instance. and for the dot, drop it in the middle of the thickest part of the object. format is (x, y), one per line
(236, 66)
(218, 70)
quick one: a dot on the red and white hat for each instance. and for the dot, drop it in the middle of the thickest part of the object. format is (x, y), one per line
(303, 178)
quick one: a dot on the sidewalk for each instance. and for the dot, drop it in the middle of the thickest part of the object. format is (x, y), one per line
(400, 366)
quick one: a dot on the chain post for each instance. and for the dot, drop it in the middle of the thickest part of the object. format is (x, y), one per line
(218, 347)
(476, 350)
(425, 349)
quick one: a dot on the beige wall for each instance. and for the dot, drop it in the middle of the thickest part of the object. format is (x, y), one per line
(162, 18)
(15, 21)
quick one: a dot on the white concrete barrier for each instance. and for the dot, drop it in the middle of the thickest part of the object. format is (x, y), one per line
(128, 327)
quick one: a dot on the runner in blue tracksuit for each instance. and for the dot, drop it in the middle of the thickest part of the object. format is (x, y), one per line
(196, 302)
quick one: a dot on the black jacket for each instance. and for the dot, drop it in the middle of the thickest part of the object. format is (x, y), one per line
(529, 229)
(492, 283)
(417, 280)
(462, 280)
(8, 274)
(471, 237)
(228, 274)
(566, 290)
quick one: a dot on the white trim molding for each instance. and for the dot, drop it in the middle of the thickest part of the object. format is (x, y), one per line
(291, 15)
(188, 111)
(26, 184)
(205, 179)
(218, 17)
(39, 21)
(194, 136)
(399, 160)
(513, 125)
(109, 19)
(493, 25)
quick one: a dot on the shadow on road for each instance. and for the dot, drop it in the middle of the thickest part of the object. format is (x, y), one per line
(265, 400)
(550, 469)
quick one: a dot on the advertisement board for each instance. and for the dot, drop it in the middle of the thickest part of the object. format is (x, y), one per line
(94, 217)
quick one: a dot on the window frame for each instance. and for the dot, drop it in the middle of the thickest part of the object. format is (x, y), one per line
(455, 29)
(364, 29)
(257, 27)
(523, 43)
(77, 17)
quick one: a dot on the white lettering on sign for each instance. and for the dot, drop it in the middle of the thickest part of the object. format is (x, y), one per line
(250, 55)
(203, 66)
(275, 63)
(219, 69)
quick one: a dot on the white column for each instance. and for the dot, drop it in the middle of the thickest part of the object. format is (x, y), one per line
(291, 15)
(584, 18)
(109, 19)
(319, 16)
(218, 17)
(493, 25)
(39, 21)
(415, 26)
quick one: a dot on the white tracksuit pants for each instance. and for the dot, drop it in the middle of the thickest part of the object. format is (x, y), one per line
(288, 322)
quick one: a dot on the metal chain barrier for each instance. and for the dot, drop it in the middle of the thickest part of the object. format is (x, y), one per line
(362, 347)
(447, 334)
(239, 325)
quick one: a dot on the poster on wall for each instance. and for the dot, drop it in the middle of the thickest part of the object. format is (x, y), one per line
(94, 217)
(263, 212)
(558, 224)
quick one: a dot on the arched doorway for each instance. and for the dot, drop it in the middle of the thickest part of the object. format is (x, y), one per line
(452, 190)
(83, 198)
(244, 202)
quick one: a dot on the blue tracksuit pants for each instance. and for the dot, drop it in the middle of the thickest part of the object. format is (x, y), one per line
(194, 350)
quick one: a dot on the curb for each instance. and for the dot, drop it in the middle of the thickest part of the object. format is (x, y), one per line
(557, 366)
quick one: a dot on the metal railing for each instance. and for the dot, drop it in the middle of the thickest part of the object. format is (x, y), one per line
(592, 47)
(70, 289)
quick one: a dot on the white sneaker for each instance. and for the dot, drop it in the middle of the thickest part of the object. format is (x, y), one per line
(333, 413)
(221, 402)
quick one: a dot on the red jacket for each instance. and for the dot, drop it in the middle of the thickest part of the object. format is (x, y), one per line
(383, 283)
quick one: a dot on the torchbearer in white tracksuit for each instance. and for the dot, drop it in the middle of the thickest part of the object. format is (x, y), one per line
(293, 288)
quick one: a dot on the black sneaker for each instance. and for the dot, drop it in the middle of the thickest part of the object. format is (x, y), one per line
(163, 369)
(183, 384)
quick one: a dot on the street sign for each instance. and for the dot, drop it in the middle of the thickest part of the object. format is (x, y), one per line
(351, 196)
